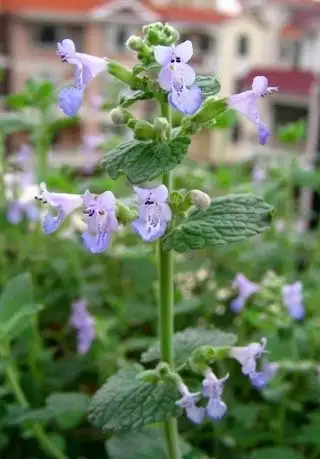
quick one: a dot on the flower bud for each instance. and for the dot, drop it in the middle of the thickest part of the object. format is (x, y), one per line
(163, 370)
(124, 213)
(120, 116)
(200, 199)
(135, 43)
(144, 130)
(171, 33)
(150, 376)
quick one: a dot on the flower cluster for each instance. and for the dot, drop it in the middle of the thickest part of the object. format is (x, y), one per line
(84, 324)
(293, 300)
(245, 288)
(99, 213)
(176, 77)
(212, 389)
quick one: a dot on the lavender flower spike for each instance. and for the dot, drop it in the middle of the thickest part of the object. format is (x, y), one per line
(188, 403)
(154, 213)
(213, 388)
(260, 378)
(82, 321)
(63, 203)
(178, 77)
(101, 220)
(293, 300)
(247, 356)
(246, 104)
(86, 69)
(245, 288)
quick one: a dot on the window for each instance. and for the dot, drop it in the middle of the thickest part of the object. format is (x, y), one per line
(47, 34)
(243, 45)
(205, 43)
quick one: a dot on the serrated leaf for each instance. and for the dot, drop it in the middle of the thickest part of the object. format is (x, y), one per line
(67, 408)
(230, 218)
(275, 453)
(126, 402)
(135, 97)
(142, 161)
(17, 294)
(144, 444)
(209, 85)
(184, 343)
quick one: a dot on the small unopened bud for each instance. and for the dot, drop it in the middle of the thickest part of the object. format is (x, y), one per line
(124, 213)
(163, 370)
(135, 43)
(200, 199)
(144, 130)
(149, 376)
(120, 116)
(161, 124)
(171, 33)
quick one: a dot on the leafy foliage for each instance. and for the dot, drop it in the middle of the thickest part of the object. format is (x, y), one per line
(142, 161)
(187, 341)
(126, 402)
(228, 219)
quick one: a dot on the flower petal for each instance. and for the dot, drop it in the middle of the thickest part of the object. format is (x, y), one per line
(195, 414)
(140, 227)
(163, 54)
(187, 74)
(166, 213)
(161, 193)
(91, 66)
(184, 51)
(260, 85)
(14, 213)
(32, 211)
(216, 409)
(70, 100)
(188, 102)
(96, 243)
(51, 222)
(165, 78)
(66, 49)
(237, 304)
(142, 193)
(107, 200)
(263, 133)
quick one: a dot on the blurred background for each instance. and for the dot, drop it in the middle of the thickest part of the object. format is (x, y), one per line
(43, 279)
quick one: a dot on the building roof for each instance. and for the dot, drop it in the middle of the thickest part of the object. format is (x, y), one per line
(167, 13)
(290, 81)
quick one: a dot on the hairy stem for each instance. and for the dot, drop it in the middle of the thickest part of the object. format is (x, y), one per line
(166, 313)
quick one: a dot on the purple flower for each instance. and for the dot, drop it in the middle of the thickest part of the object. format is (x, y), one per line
(82, 321)
(177, 77)
(248, 356)
(63, 203)
(101, 220)
(24, 156)
(154, 212)
(213, 388)
(260, 378)
(86, 69)
(18, 209)
(292, 299)
(246, 104)
(188, 403)
(245, 288)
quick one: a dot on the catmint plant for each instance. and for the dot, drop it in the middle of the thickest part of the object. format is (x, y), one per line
(172, 221)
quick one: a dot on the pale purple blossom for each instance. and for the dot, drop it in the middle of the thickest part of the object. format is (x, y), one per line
(188, 402)
(19, 209)
(84, 324)
(154, 212)
(178, 77)
(63, 203)
(100, 216)
(248, 356)
(23, 156)
(86, 69)
(259, 379)
(245, 288)
(293, 300)
(212, 388)
(246, 104)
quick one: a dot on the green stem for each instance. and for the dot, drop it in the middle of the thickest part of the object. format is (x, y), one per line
(2, 169)
(166, 313)
(44, 441)
(42, 139)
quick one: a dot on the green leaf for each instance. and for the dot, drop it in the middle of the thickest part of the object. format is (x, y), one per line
(209, 85)
(144, 444)
(12, 122)
(230, 218)
(135, 97)
(142, 161)
(186, 342)
(17, 293)
(14, 326)
(275, 453)
(126, 402)
(67, 408)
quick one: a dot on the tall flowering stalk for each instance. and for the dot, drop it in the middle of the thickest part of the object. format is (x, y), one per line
(176, 220)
